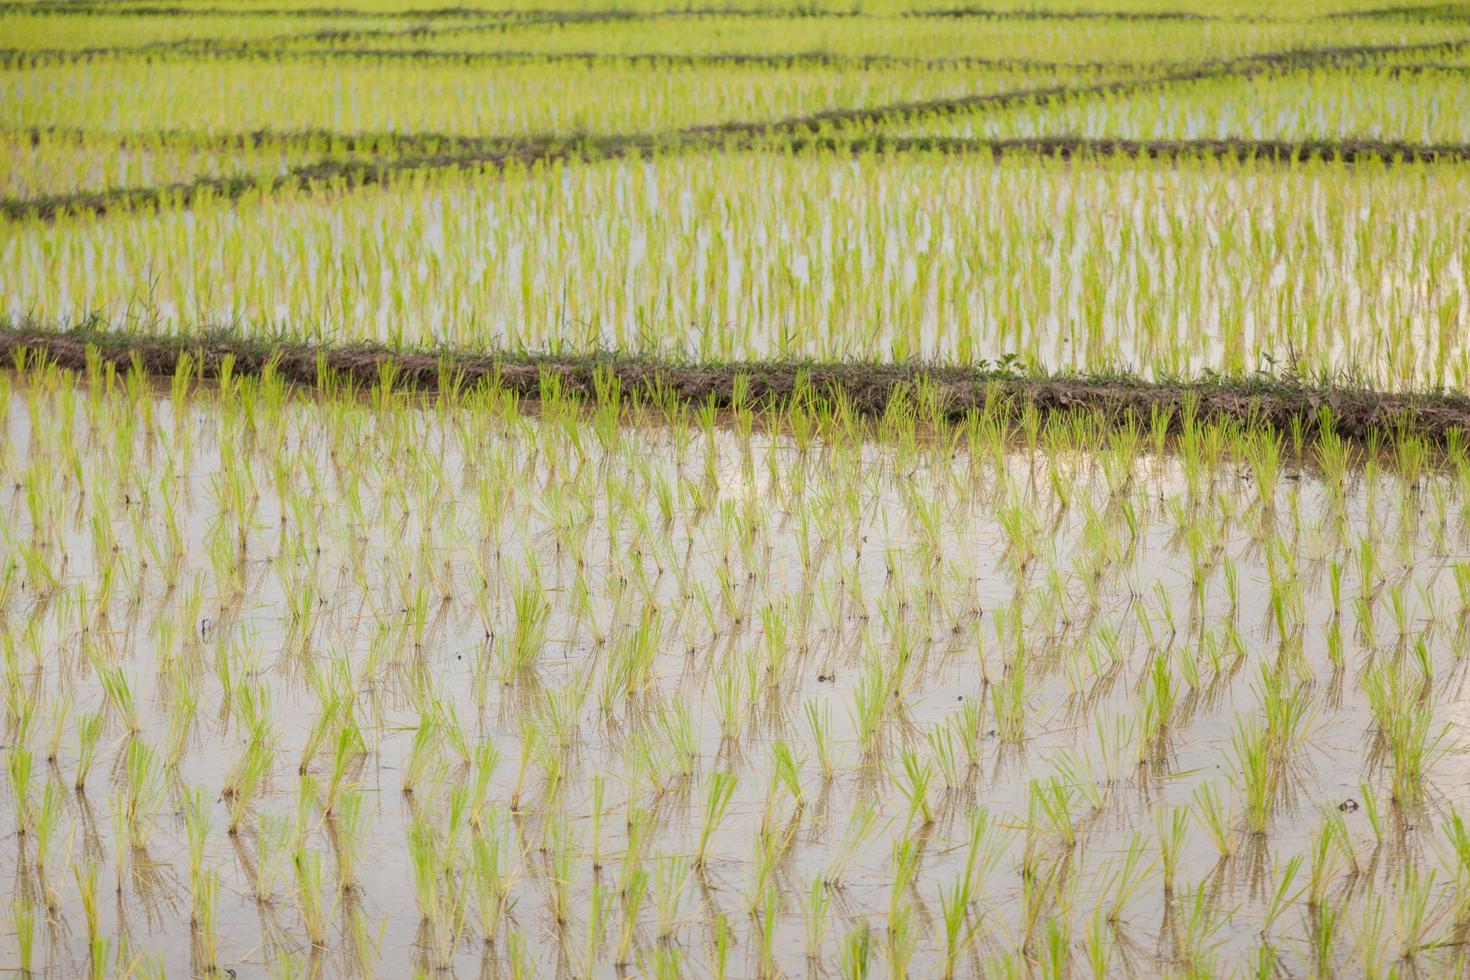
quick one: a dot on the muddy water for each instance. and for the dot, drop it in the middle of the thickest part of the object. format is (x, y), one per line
(880, 553)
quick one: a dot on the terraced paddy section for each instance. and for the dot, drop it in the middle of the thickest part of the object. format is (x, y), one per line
(1423, 104)
(710, 35)
(589, 686)
(490, 100)
(1063, 265)
(72, 164)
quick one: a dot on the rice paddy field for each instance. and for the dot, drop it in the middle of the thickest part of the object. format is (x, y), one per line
(875, 488)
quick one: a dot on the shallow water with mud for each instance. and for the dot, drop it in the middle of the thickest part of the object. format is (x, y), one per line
(1147, 704)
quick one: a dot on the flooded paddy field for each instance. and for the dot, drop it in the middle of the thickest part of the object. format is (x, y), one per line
(728, 489)
(342, 683)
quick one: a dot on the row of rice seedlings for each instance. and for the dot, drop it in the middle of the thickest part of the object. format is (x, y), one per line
(663, 688)
(378, 94)
(55, 30)
(49, 164)
(1060, 265)
(1146, 11)
(1398, 103)
(879, 36)
(911, 31)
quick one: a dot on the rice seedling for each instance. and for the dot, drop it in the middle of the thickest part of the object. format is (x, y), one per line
(819, 722)
(1212, 816)
(1406, 727)
(18, 769)
(1124, 883)
(1173, 825)
(308, 869)
(716, 806)
(914, 784)
(491, 882)
(23, 918)
(143, 793)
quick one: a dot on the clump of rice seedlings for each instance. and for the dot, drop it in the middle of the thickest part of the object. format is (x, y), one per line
(959, 927)
(769, 846)
(634, 891)
(1008, 696)
(716, 806)
(671, 880)
(871, 703)
(47, 816)
(86, 879)
(206, 945)
(1213, 817)
(307, 865)
(1322, 868)
(857, 951)
(491, 879)
(424, 753)
(562, 848)
(1415, 910)
(246, 778)
(819, 722)
(1199, 927)
(348, 826)
(902, 939)
(945, 758)
(196, 824)
(1406, 726)
(348, 749)
(274, 842)
(914, 782)
(598, 910)
(1459, 841)
(18, 769)
(818, 905)
(114, 682)
(1283, 895)
(23, 918)
(1049, 812)
(1369, 933)
(1123, 882)
(861, 827)
(1173, 826)
(527, 636)
(143, 793)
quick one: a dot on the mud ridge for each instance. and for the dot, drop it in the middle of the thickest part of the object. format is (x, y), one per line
(523, 15)
(1071, 147)
(869, 389)
(1429, 13)
(255, 139)
(1001, 13)
(196, 49)
(271, 46)
(344, 174)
